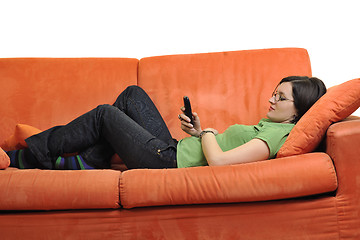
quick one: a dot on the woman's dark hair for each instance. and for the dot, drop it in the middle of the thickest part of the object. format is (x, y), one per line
(306, 91)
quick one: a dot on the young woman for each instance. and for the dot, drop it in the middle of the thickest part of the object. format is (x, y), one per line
(134, 129)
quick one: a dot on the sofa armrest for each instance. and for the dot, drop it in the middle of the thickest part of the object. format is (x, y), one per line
(343, 146)
(280, 178)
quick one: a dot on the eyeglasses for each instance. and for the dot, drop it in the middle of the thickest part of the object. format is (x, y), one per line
(279, 98)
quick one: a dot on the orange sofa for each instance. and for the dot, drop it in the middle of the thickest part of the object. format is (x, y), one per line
(302, 194)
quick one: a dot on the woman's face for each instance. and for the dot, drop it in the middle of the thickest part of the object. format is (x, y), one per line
(282, 109)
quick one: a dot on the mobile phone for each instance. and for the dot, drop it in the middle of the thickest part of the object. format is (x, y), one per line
(188, 111)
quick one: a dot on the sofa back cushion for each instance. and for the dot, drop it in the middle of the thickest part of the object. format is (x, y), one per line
(43, 92)
(224, 88)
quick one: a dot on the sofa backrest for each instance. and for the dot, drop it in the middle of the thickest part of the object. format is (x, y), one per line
(43, 92)
(224, 88)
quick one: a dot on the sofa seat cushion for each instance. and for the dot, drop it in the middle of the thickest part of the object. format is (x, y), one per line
(282, 178)
(51, 190)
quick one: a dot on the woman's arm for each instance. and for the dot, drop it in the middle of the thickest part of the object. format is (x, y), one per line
(252, 151)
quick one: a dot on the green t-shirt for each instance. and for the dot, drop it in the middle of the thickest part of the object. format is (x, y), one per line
(189, 150)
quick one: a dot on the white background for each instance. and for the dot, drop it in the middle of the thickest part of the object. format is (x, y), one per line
(328, 29)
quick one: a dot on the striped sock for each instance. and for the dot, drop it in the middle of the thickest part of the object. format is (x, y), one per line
(22, 159)
(71, 163)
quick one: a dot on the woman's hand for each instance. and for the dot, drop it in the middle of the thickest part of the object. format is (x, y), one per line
(186, 126)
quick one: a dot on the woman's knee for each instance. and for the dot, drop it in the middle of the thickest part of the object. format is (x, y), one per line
(104, 109)
(134, 90)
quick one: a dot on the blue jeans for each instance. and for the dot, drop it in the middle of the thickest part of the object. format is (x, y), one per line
(132, 127)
